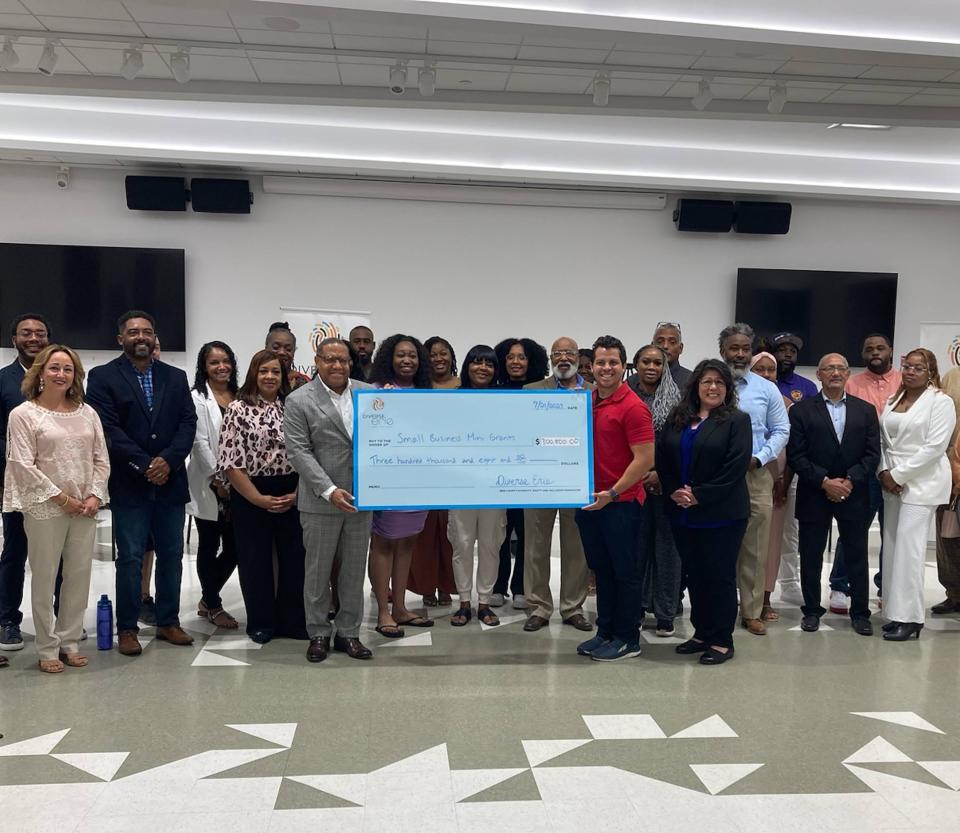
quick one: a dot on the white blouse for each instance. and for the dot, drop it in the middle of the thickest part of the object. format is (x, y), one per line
(49, 452)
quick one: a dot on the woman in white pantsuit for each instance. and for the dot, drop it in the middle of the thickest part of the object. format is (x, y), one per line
(915, 430)
(57, 471)
(484, 528)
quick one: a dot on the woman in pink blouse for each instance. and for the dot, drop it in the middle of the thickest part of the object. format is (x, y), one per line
(57, 471)
(252, 456)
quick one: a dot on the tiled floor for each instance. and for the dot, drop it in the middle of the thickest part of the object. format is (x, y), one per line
(475, 728)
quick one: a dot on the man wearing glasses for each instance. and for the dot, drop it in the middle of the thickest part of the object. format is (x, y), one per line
(538, 523)
(318, 431)
(669, 338)
(834, 448)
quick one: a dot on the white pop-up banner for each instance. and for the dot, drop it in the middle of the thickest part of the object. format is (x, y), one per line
(311, 326)
(943, 338)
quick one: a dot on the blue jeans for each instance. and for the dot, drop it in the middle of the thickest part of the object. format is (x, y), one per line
(611, 542)
(839, 580)
(12, 562)
(132, 526)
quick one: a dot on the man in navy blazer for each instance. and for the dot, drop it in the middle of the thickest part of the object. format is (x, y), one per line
(834, 448)
(149, 421)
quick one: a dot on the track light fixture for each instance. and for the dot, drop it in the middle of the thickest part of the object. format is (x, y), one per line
(427, 79)
(704, 95)
(180, 65)
(132, 62)
(778, 98)
(601, 89)
(8, 55)
(47, 64)
(398, 78)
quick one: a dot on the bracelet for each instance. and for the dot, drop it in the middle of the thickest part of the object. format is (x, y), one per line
(66, 500)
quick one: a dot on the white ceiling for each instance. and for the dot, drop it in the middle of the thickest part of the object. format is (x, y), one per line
(514, 90)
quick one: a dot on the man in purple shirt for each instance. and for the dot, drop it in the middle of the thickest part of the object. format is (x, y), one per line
(786, 347)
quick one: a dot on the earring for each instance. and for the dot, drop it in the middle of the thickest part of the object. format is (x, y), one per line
(41, 386)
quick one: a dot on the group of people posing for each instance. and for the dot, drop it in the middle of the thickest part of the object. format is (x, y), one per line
(703, 479)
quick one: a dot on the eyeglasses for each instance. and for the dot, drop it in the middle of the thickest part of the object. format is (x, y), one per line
(563, 354)
(712, 383)
(835, 368)
(673, 324)
(914, 368)
(334, 360)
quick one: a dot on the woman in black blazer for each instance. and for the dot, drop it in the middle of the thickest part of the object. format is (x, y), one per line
(702, 458)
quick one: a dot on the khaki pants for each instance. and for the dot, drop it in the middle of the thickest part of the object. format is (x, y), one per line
(751, 563)
(538, 524)
(485, 529)
(71, 536)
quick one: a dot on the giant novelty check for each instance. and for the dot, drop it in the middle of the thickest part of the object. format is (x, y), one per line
(439, 449)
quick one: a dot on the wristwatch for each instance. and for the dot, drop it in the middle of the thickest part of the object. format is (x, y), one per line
(614, 494)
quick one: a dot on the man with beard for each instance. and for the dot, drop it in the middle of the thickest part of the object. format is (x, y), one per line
(876, 385)
(149, 421)
(668, 338)
(30, 334)
(538, 523)
(361, 340)
(786, 348)
(762, 401)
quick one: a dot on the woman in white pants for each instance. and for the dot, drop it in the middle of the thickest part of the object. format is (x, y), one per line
(57, 470)
(915, 430)
(484, 528)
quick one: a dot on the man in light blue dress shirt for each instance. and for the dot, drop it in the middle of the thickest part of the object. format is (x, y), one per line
(762, 401)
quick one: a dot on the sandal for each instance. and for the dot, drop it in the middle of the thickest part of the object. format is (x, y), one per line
(462, 616)
(417, 622)
(202, 610)
(768, 614)
(73, 660)
(50, 666)
(430, 601)
(4, 662)
(389, 631)
(221, 619)
(486, 615)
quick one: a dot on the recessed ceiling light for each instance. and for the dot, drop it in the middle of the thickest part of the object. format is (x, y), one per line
(859, 126)
(282, 24)
(465, 82)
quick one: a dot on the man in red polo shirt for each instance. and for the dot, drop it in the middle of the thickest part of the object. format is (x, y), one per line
(610, 527)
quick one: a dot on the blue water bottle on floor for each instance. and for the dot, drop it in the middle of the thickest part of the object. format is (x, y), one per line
(104, 623)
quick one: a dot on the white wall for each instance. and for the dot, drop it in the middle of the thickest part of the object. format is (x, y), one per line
(481, 273)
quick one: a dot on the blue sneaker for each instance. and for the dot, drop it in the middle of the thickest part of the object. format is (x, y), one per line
(10, 638)
(586, 649)
(614, 650)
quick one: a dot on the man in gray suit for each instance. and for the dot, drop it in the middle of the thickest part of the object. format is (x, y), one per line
(318, 430)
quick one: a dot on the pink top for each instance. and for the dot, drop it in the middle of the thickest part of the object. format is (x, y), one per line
(873, 388)
(49, 452)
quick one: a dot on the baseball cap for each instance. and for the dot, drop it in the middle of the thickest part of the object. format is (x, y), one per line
(788, 338)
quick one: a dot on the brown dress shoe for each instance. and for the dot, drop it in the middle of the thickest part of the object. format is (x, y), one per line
(579, 621)
(128, 644)
(175, 635)
(755, 626)
(319, 648)
(534, 623)
(352, 647)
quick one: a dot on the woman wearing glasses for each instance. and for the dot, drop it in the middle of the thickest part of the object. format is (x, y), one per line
(484, 528)
(703, 453)
(915, 430)
(520, 361)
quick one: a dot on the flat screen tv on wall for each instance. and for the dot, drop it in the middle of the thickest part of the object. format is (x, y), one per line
(82, 290)
(831, 311)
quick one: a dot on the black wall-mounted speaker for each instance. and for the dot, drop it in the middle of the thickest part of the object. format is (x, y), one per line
(156, 193)
(762, 218)
(704, 215)
(220, 196)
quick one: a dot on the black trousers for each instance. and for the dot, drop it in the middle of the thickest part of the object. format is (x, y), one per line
(709, 559)
(611, 542)
(813, 541)
(276, 609)
(514, 522)
(216, 558)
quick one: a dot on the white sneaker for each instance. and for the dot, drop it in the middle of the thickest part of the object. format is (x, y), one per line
(519, 602)
(791, 595)
(496, 600)
(839, 602)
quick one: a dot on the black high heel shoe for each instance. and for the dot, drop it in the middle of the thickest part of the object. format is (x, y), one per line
(890, 626)
(904, 631)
